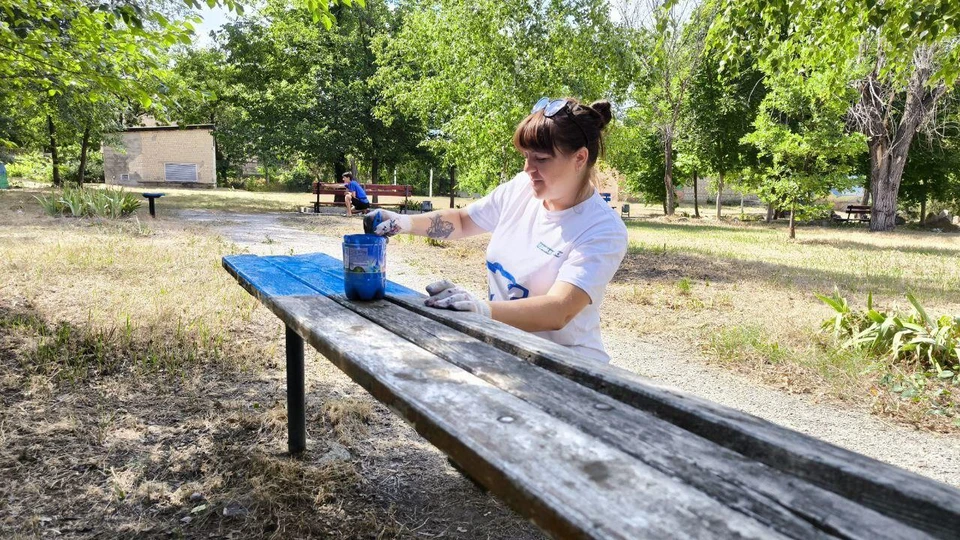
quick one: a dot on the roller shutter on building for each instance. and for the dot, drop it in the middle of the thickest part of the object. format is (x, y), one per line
(180, 172)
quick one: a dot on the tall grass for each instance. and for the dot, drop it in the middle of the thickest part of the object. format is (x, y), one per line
(82, 202)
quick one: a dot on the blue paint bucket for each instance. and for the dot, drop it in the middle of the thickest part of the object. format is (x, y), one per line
(364, 266)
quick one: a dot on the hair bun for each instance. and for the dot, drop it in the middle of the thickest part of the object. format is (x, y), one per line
(603, 109)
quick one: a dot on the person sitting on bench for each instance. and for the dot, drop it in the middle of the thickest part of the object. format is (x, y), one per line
(355, 197)
(555, 242)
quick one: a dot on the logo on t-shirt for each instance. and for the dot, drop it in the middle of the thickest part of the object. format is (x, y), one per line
(513, 286)
(549, 250)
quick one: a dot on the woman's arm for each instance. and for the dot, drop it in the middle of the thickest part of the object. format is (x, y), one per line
(450, 224)
(549, 312)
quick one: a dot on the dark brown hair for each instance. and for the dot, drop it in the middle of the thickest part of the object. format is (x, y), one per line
(563, 133)
(348, 174)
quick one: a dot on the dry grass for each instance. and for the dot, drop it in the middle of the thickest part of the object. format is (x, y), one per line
(141, 395)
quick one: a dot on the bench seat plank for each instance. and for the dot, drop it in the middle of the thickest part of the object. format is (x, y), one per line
(569, 483)
(918, 501)
(785, 503)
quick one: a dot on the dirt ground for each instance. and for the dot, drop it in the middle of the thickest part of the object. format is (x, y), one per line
(142, 396)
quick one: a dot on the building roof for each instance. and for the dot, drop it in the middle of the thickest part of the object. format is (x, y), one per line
(169, 128)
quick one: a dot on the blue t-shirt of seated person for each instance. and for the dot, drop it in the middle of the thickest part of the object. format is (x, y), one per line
(358, 191)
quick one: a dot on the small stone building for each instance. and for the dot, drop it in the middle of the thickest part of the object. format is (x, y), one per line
(175, 156)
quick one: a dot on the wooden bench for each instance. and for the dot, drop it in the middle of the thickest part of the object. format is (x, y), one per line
(373, 191)
(585, 450)
(861, 211)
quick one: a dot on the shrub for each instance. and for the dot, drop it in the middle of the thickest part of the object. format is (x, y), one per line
(81, 202)
(913, 338)
(31, 166)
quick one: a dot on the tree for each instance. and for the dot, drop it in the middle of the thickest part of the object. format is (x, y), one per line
(804, 148)
(931, 171)
(83, 58)
(675, 33)
(634, 148)
(900, 55)
(469, 72)
(298, 90)
(721, 110)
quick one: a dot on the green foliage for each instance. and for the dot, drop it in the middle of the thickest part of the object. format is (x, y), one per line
(636, 151)
(30, 166)
(908, 339)
(84, 202)
(469, 72)
(719, 114)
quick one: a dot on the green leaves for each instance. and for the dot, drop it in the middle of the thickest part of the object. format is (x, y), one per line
(909, 339)
(470, 72)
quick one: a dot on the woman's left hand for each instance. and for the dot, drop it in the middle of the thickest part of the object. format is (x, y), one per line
(445, 295)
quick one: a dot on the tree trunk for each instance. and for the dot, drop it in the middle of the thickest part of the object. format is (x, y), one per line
(720, 194)
(375, 171)
(266, 171)
(866, 195)
(793, 223)
(453, 184)
(886, 172)
(668, 173)
(696, 201)
(84, 146)
(53, 152)
(769, 212)
(889, 144)
(923, 208)
(339, 167)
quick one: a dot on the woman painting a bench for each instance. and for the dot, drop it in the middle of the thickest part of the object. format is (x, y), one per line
(555, 242)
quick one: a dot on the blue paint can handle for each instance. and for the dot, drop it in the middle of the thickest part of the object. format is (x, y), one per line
(364, 266)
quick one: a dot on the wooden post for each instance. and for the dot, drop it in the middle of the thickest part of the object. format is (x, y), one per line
(453, 183)
(431, 183)
(296, 400)
(696, 201)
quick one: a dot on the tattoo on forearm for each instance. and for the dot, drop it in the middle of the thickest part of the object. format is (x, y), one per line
(439, 228)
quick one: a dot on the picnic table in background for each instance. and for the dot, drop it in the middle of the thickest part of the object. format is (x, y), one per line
(585, 450)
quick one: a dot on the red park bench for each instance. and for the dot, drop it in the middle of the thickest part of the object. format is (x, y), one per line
(374, 191)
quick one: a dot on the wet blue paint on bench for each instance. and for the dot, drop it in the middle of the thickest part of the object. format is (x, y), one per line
(296, 275)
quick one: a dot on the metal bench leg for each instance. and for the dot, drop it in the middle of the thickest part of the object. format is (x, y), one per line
(296, 401)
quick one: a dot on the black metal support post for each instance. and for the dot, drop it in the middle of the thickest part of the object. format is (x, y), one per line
(296, 400)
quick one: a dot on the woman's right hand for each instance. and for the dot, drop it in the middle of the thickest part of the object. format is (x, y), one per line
(386, 223)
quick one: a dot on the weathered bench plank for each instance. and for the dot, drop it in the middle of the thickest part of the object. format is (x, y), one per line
(913, 499)
(744, 470)
(785, 503)
(569, 483)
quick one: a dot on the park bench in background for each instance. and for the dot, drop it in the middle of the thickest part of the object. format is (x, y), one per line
(585, 450)
(858, 212)
(374, 191)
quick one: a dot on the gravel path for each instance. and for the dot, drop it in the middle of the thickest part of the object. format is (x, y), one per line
(930, 454)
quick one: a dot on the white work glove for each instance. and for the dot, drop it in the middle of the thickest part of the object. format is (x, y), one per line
(446, 295)
(385, 223)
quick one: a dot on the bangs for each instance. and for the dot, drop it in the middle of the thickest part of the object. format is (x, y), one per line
(535, 134)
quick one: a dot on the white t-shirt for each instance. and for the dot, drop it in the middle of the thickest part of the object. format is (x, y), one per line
(532, 248)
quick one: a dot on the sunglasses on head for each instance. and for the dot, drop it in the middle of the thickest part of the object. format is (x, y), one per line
(551, 107)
